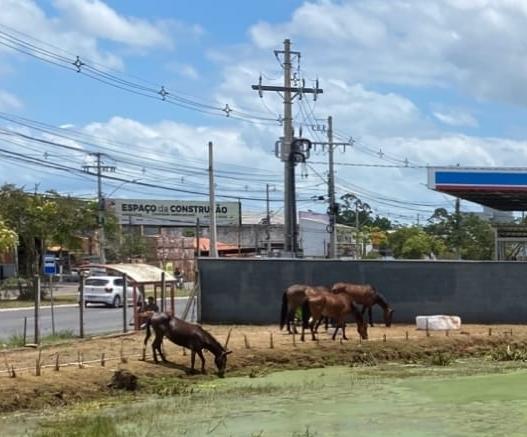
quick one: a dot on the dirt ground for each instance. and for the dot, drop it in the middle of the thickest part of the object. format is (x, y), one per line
(256, 350)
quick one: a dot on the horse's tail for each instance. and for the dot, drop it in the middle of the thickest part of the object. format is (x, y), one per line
(306, 313)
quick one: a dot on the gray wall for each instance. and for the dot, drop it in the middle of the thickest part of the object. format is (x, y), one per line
(250, 290)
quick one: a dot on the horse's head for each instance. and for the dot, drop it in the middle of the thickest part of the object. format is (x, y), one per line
(339, 287)
(221, 362)
(388, 315)
(362, 329)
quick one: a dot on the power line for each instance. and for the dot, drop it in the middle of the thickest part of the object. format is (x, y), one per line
(80, 65)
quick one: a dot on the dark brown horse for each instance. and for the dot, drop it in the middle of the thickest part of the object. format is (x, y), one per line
(292, 299)
(367, 296)
(188, 335)
(336, 306)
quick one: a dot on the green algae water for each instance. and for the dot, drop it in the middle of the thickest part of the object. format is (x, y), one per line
(390, 400)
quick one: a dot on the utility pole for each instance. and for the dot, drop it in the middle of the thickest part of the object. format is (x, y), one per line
(100, 168)
(357, 244)
(212, 206)
(331, 194)
(333, 206)
(457, 221)
(289, 150)
(267, 220)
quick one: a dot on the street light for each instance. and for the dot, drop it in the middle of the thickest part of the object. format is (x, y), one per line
(133, 181)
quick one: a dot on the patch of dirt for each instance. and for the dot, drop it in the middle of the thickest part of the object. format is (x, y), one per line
(87, 366)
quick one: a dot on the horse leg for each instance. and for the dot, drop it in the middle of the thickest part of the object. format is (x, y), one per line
(336, 330)
(369, 315)
(318, 324)
(313, 329)
(192, 360)
(200, 353)
(344, 331)
(326, 323)
(156, 346)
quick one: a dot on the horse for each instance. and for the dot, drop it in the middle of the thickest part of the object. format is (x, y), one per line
(367, 296)
(292, 299)
(337, 306)
(188, 335)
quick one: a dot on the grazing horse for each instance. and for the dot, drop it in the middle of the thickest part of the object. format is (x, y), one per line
(188, 335)
(367, 296)
(292, 299)
(336, 306)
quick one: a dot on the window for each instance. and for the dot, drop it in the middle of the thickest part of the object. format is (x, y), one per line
(96, 282)
(119, 282)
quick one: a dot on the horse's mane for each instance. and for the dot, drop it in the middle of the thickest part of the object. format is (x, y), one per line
(380, 299)
(211, 339)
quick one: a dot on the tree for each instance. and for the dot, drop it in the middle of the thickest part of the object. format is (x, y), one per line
(353, 205)
(8, 237)
(43, 219)
(463, 234)
(413, 243)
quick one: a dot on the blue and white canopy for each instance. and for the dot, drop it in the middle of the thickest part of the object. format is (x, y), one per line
(499, 188)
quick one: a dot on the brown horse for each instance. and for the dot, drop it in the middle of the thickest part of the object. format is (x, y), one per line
(292, 299)
(188, 335)
(367, 296)
(337, 306)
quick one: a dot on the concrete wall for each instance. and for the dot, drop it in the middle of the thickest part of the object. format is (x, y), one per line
(250, 290)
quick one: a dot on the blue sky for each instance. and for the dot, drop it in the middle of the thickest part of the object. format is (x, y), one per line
(433, 82)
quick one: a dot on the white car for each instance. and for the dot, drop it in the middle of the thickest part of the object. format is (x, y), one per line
(107, 290)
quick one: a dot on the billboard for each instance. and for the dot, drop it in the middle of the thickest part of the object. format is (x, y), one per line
(172, 212)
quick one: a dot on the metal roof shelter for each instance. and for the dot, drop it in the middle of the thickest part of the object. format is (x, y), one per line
(141, 274)
(504, 189)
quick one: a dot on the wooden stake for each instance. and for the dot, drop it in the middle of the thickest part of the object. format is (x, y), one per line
(490, 332)
(341, 341)
(294, 339)
(271, 343)
(57, 362)
(13, 374)
(103, 361)
(121, 354)
(384, 338)
(427, 330)
(447, 333)
(406, 335)
(246, 341)
(6, 363)
(37, 367)
(79, 360)
(228, 338)
(184, 352)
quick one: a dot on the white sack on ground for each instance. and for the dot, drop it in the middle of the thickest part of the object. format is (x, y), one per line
(438, 323)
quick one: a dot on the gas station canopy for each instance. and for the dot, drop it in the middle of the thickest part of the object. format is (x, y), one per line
(499, 188)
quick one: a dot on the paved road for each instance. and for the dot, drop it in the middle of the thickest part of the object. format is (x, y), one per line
(97, 319)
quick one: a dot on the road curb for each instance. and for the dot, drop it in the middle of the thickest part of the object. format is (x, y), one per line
(69, 305)
(47, 307)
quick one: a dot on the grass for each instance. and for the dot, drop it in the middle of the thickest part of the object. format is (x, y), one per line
(84, 426)
(17, 340)
(59, 300)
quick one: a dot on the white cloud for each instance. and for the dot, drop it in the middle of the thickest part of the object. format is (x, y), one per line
(9, 101)
(184, 70)
(475, 44)
(95, 18)
(456, 117)
(79, 27)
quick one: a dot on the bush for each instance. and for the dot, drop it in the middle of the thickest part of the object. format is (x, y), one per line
(509, 354)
